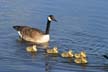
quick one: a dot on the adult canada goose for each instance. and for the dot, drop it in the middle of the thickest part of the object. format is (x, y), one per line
(35, 35)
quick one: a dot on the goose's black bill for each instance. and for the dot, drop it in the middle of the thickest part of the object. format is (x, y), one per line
(17, 28)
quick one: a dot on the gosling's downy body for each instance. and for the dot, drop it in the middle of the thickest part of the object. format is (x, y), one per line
(80, 58)
(81, 61)
(52, 51)
(78, 61)
(83, 54)
(84, 60)
(35, 35)
(67, 54)
(77, 55)
(31, 48)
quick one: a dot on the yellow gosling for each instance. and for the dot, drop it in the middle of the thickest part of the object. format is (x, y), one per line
(78, 61)
(76, 55)
(67, 54)
(31, 48)
(54, 50)
(84, 60)
(81, 61)
(83, 54)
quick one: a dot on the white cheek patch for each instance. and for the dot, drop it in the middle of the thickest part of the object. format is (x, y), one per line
(49, 18)
(20, 34)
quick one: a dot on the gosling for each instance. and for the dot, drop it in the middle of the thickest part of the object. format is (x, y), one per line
(31, 49)
(84, 60)
(52, 51)
(77, 55)
(68, 54)
(83, 54)
(81, 60)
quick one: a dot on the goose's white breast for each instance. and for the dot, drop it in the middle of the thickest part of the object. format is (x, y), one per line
(43, 39)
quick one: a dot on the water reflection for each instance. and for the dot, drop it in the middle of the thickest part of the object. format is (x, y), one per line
(32, 54)
(47, 65)
(50, 61)
(49, 58)
(105, 67)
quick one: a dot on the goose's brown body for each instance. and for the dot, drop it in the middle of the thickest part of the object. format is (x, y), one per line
(33, 34)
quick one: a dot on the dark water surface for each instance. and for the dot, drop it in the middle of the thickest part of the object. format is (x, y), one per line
(82, 25)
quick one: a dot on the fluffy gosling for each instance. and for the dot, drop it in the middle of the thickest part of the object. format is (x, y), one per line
(84, 60)
(76, 55)
(52, 51)
(81, 60)
(31, 48)
(83, 54)
(77, 61)
(67, 54)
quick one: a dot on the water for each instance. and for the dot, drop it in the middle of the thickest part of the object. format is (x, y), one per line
(82, 25)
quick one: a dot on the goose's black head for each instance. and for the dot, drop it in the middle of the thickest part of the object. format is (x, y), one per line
(51, 18)
(17, 28)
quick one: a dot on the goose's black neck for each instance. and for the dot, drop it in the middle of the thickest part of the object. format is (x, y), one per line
(48, 27)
